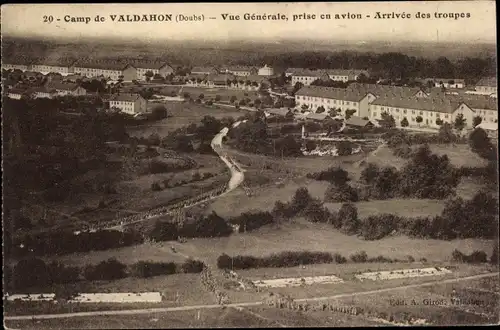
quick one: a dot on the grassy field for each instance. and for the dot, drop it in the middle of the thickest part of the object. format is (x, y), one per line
(181, 114)
(322, 237)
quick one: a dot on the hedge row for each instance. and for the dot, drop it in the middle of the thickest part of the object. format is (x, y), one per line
(35, 273)
(296, 258)
(475, 218)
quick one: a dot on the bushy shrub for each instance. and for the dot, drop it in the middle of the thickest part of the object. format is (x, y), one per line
(249, 221)
(276, 260)
(359, 257)
(145, 269)
(339, 259)
(163, 231)
(192, 266)
(474, 257)
(348, 218)
(316, 212)
(344, 193)
(334, 175)
(110, 269)
(379, 226)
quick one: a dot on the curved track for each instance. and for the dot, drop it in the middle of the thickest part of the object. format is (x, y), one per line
(236, 179)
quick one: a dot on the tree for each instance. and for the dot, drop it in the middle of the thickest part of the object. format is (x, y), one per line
(163, 231)
(460, 121)
(344, 148)
(310, 145)
(476, 121)
(232, 99)
(159, 112)
(348, 218)
(304, 107)
(148, 75)
(201, 96)
(287, 147)
(428, 175)
(419, 119)
(300, 200)
(186, 95)
(30, 272)
(370, 173)
(446, 134)
(212, 226)
(480, 143)
(387, 120)
(154, 139)
(404, 122)
(320, 109)
(439, 121)
(343, 193)
(349, 113)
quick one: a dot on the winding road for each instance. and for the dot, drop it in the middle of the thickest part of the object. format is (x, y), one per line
(236, 179)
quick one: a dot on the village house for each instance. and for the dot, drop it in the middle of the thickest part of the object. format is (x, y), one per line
(358, 122)
(317, 117)
(199, 70)
(249, 83)
(131, 104)
(19, 63)
(241, 71)
(278, 113)
(42, 93)
(197, 80)
(157, 68)
(452, 83)
(266, 71)
(106, 68)
(64, 66)
(421, 112)
(305, 76)
(16, 93)
(345, 75)
(487, 86)
(219, 80)
(490, 128)
(330, 98)
(63, 89)
(483, 106)
(387, 90)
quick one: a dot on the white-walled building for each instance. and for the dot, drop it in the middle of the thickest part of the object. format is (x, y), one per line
(421, 112)
(345, 75)
(61, 66)
(107, 69)
(487, 86)
(334, 98)
(305, 76)
(65, 88)
(131, 104)
(451, 83)
(266, 71)
(157, 68)
(198, 70)
(241, 71)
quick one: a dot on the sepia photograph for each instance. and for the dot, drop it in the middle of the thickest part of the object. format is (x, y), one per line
(237, 165)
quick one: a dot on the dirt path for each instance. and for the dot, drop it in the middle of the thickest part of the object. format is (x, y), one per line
(237, 177)
(245, 304)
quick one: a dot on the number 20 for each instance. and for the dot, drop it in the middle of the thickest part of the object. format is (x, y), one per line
(48, 19)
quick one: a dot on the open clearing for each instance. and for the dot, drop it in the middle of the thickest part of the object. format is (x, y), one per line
(181, 114)
(322, 237)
